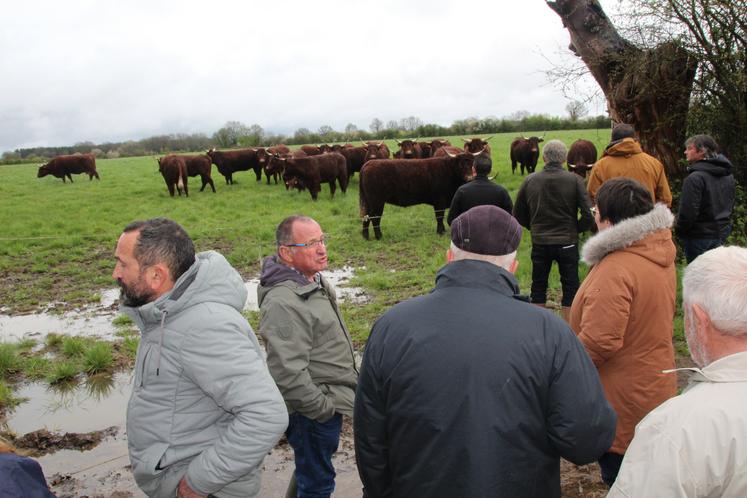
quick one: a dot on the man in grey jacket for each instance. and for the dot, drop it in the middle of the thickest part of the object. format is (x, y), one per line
(204, 410)
(309, 351)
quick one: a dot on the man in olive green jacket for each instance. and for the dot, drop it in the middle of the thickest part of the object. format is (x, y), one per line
(309, 350)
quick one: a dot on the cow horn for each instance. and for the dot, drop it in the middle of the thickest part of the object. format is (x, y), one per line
(478, 153)
(398, 142)
(525, 138)
(491, 178)
(380, 144)
(450, 154)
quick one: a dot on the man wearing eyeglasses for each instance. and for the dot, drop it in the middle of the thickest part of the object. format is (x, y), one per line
(309, 351)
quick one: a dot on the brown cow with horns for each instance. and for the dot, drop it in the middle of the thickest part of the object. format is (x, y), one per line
(406, 182)
(65, 166)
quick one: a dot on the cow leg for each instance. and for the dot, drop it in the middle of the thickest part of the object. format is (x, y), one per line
(171, 188)
(69, 176)
(364, 231)
(96, 173)
(212, 185)
(513, 167)
(377, 226)
(204, 183)
(439, 220)
(332, 188)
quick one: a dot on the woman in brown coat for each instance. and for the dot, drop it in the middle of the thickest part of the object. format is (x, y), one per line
(624, 309)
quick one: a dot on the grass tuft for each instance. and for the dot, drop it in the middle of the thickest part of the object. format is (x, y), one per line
(10, 361)
(98, 358)
(62, 372)
(122, 321)
(74, 347)
(7, 400)
(53, 341)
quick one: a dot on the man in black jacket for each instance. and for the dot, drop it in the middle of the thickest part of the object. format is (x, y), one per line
(470, 391)
(707, 199)
(548, 204)
(481, 190)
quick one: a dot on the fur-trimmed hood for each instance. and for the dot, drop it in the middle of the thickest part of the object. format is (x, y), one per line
(626, 233)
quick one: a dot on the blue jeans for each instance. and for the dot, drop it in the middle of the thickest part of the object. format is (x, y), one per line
(542, 257)
(696, 247)
(313, 445)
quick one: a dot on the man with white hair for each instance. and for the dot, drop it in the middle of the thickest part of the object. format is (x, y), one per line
(470, 390)
(695, 444)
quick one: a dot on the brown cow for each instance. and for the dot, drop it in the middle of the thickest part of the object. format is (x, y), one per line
(199, 165)
(406, 182)
(231, 161)
(525, 151)
(311, 150)
(65, 166)
(408, 149)
(310, 172)
(375, 150)
(436, 144)
(264, 157)
(477, 144)
(447, 150)
(581, 157)
(173, 168)
(355, 158)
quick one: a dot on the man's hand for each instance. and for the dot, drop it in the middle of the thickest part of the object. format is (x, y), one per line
(184, 491)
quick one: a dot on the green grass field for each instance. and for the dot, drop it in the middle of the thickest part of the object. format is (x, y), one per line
(57, 240)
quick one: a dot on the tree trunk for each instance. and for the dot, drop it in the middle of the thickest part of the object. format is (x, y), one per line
(649, 89)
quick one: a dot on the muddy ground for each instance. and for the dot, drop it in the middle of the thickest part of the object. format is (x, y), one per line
(106, 474)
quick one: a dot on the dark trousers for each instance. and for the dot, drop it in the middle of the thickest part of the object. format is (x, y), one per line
(609, 464)
(695, 247)
(542, 259)
(313, 445)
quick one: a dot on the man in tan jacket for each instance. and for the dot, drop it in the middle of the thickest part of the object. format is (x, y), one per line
(624, 157)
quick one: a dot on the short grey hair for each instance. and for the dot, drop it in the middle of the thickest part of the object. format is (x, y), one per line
(554, 152)
(703, 143)
(504, 260)
(717, 282)
(284, 231)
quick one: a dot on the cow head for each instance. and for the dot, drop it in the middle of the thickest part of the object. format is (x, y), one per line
(374, 151)
(463, 162)
(326, 148)
(263, 157)
(409, 149)
(437, 144)
(579, 169)
(475, 144)
(43, 171)
(534, 143)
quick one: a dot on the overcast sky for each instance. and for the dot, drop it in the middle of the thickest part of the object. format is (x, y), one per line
(104, 70)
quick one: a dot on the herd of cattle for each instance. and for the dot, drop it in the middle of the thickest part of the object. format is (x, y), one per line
(421, 172)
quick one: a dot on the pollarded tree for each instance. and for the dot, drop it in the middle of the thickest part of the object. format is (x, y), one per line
(646, 87)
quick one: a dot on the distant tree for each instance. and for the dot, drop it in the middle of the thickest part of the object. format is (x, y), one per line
(253, 136)
(376, 125)
(576, 109)
(230, 134)
(392, 125)
(410, 123)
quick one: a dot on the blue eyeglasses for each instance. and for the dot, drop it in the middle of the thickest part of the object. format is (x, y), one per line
(312, 243)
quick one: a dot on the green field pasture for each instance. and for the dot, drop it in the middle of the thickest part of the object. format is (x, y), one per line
(57, 239)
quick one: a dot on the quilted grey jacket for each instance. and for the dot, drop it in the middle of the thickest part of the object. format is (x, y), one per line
(203, 402)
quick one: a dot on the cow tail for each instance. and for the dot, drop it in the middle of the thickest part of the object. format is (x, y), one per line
(180, 182)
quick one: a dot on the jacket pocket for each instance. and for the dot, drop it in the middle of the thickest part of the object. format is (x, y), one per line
(142, 365)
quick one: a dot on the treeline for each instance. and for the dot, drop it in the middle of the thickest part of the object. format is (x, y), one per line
(236, 134)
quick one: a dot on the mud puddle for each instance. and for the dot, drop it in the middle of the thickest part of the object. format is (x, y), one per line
(96, 320)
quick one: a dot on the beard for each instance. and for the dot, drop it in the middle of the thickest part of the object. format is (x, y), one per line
(134, 295)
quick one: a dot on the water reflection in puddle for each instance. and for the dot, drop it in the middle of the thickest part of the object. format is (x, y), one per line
(94, 404)
(96, 320)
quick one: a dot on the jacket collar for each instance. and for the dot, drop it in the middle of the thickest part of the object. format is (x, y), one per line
(553, 167)
(625, 233)
(480, 275)
(732, 368)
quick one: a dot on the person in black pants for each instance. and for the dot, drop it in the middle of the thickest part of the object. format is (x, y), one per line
(548, 204)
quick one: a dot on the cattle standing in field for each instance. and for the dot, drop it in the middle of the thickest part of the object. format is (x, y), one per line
(310, 172)
(355, 157)
(436, 144)
(173, 168)
(425, 150)
(406, 182)
(231, 161)
(264, 158)
(375, 150)
(525, 151)
(199, 165)
(408, 149)
(65, 166)
(477, 144)
(311, 150)
(581, 157)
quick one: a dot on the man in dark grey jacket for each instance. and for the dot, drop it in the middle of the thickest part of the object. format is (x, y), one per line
(470, 391)
(309, 351)
(204, 410)
(481, 190)
(548, 204)
(707, 199)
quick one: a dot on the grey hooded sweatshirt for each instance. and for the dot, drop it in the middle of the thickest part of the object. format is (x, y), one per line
(203, 402)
